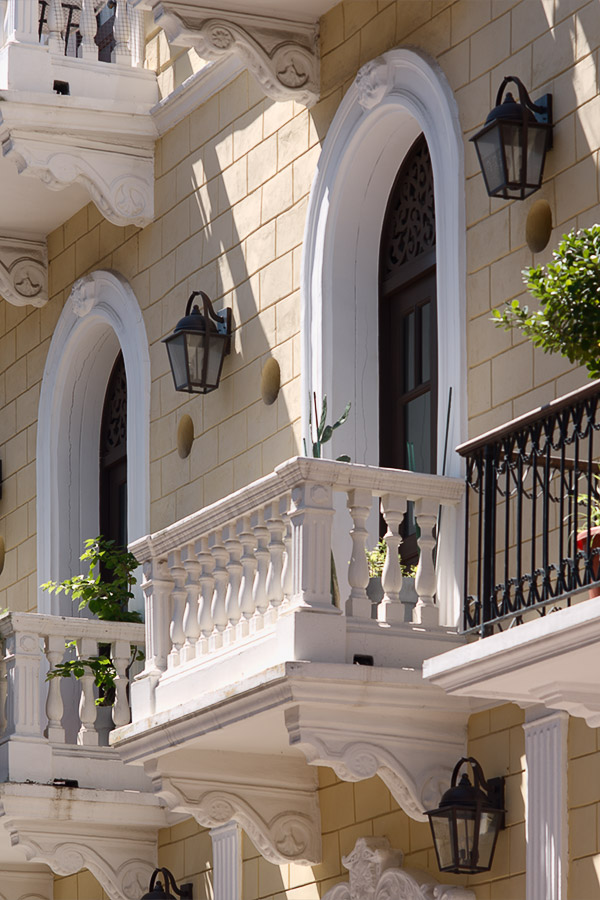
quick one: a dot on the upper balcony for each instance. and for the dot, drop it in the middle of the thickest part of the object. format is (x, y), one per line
(533, 562)
(67, 800)
(74, 115)
(257, 662)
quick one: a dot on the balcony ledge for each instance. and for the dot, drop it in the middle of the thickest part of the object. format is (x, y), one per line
(551, 661)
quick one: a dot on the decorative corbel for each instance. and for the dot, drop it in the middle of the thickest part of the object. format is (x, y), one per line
(282, 55)
(23, 271)
(274, 799)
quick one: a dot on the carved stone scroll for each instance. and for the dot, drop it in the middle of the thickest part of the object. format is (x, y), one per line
(23, 271)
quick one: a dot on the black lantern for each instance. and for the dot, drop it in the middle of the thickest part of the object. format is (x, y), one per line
(198, 346)
(156, 891)
(466, 825)
(512, 144)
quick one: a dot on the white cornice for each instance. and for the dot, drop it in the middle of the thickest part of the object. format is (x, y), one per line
(194, 91)
(282, 54)
(23, 271)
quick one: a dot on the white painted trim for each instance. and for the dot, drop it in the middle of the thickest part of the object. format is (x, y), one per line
(547, 847)
(227, 861)
(101, 315)
(392, 100)
(195, 91)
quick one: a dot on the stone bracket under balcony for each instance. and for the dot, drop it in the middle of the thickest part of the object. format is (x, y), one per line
(273, 797)
(282, 54)
(112, 834)
(23, 271)
(108, 151)
(552, 661)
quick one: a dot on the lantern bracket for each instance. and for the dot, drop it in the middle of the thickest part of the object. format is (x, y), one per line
(221, 318)
(493, 787)
(186, 891)
(541, 108)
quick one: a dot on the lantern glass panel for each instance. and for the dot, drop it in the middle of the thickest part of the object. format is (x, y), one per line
(488, 832)
(442, 825)
(491, 158)
(177, 358)
(195, 344)
(465, 831)
(215, 358)
(536, 152)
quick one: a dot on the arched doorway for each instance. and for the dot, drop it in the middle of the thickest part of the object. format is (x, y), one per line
(113, 457)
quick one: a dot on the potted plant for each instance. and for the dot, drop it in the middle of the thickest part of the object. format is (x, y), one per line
(105, 590)
(589, 541)
(376, 562)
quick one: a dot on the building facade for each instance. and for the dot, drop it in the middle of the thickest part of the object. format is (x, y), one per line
(310, 169)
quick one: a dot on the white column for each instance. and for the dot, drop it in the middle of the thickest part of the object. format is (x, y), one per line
(227, 861)
(22, 22)
(546, 753)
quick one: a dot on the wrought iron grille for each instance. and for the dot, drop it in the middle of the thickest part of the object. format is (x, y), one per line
(532, 513)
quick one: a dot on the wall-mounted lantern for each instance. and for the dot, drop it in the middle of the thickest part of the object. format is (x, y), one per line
(512, 144)
(466, 825)
(156, 891)
(198, 346)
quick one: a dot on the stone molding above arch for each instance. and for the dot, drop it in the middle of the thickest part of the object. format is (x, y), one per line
(23, 271)
(376, 874)
(273, 798)
(282, 55)
(101, 316)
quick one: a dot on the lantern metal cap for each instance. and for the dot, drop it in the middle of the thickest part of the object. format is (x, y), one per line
(170, 891)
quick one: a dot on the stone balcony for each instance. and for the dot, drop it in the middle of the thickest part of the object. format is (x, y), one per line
(256, 665)
(66, 799)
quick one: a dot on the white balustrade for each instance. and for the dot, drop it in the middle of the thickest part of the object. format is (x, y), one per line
(31, 707)
(265, 551)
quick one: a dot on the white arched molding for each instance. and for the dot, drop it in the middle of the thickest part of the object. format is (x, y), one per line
(100, 317)
(392, 100)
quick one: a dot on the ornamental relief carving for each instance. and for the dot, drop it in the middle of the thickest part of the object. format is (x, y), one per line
(23, 272)
(376, 874)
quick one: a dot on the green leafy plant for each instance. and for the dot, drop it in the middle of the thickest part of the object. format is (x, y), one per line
(323, 432)
(376, 561)
(568, 290)
(105, 590)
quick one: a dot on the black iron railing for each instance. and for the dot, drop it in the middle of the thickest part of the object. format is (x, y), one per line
(532, 506)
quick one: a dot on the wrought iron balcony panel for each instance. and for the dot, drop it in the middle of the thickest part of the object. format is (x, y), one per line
(532, 503)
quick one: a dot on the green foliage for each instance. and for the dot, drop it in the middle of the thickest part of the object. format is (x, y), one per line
(568, 321)
(592, 502)
(376, 560)
(106, 588)
(324, 432)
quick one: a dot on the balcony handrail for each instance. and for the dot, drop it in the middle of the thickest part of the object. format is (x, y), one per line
(554, 406)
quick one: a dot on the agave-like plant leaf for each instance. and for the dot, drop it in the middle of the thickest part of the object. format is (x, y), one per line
(323, 417)
(343, 458)
(343, 417)
(327, 432)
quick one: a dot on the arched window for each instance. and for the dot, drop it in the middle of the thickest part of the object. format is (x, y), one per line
(408, 319)
(113, 457)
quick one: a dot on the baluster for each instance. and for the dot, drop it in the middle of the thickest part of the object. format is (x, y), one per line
(234, 578)
(191, 629)
(390, 610)
(157, 586)
(259, 591)
(207, 585)
(249, 565)
(426, 612)
(136, 37)
(56, 27)
(219, 609)
(287, 580)
(121, 33)
(55, 652)
(179, 595)
(121, 655)
(311, 515)
(358, 604)
(88, 736)
(87, 30)
(276, 528)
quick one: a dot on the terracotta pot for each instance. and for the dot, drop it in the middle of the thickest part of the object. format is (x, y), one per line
(582, 538)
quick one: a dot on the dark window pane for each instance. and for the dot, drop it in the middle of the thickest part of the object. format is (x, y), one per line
(409, 352)
(417, 414)
(425, 342)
